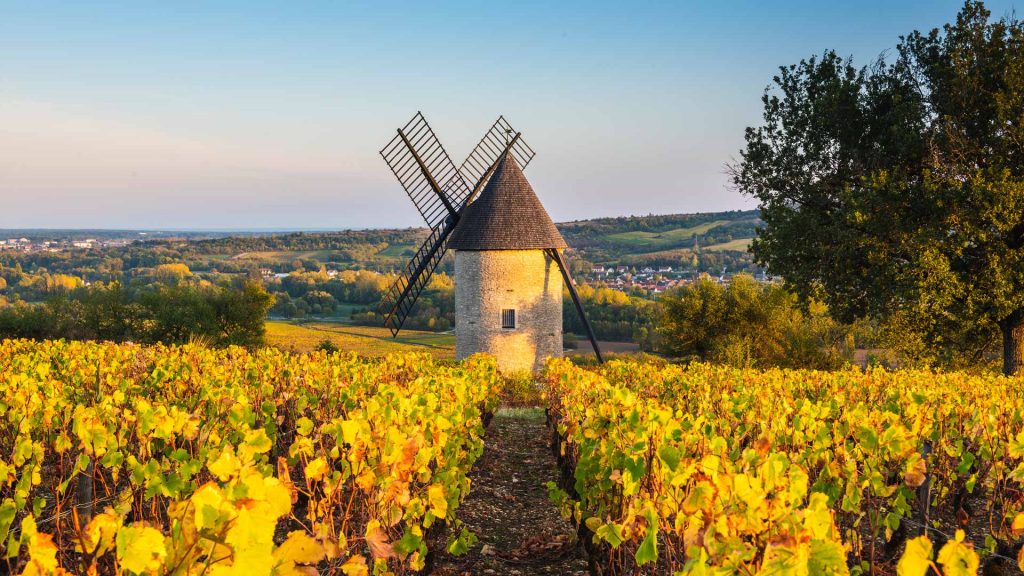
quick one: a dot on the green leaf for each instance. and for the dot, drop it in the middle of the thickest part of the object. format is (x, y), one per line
(648, 550)
(462, 543)
(408, 543)
(868, 439)
(610, 533)
(670, 456)
(7, 512)
(827, 557)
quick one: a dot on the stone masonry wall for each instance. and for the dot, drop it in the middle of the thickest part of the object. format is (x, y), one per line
(527, 281)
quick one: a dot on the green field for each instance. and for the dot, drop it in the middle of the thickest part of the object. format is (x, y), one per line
(739, 245)
(342, 314)
(396, 250)
(344, 311)
(286, 256)
(365, 340)
(655, 240)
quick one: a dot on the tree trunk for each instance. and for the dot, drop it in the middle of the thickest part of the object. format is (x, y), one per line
(1013, 343)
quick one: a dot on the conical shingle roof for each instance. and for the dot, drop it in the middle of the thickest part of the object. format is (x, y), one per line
(506, 216)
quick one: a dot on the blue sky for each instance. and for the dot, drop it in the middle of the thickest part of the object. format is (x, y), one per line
(269, 115)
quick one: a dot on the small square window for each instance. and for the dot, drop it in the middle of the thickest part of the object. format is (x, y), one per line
(508, 319)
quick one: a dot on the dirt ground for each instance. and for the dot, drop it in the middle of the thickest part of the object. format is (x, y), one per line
(583, 348)
(520, 531)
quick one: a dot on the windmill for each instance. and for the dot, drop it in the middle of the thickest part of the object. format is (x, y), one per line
(508, 299)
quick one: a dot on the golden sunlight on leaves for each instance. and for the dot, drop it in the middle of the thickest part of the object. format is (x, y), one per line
(140, 549)
(958, 558)
(355, 566)
(917, 558)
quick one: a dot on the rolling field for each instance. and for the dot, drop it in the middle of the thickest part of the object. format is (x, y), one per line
(364, 340)
(284, 256)
(643, 239)
(739, 245)
(397, 250)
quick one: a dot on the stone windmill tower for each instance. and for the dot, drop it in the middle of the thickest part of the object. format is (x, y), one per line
(509, 268)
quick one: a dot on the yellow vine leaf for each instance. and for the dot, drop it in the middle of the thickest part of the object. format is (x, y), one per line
(225, 465)
(274, 497)
(917, 557)
(140, 549)
(355, 566)
(958, 558)
(818, 517)
(297, 549)
(1018, 524)
(437, 499)
(251, 539)
(251, 536)
(209, 503)
(349, 431)
(316, 469)
(100, 533)
(256, 442)
(42, 560)
(366, 480)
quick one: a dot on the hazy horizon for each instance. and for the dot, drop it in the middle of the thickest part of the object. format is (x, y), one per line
(289, 230)
(259, 116)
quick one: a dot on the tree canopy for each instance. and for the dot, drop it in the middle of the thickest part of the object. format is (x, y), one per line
(218, 315)
(746, 324)
(897, 190)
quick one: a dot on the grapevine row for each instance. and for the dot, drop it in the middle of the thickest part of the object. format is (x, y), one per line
(707, 470)
(185, 460)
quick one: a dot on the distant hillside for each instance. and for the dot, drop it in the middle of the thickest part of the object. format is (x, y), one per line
(662, 238)
(721, 237)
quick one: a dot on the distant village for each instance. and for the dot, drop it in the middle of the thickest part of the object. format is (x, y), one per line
(651, 280)
(623, 278)
(655, 280)
(28, 246)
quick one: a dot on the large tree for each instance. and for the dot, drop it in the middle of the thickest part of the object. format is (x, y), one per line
(745, 323)
(897, 190)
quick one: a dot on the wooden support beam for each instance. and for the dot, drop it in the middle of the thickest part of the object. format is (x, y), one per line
(557, 257)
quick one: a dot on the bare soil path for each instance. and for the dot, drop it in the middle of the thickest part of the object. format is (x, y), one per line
(520, 531)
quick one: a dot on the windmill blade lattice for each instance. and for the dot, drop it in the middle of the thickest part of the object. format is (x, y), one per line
(400, 297)
(438, 191)
(477, 165)
(426, 172)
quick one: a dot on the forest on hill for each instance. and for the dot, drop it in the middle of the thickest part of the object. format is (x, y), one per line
(337, 276)
(633, 240)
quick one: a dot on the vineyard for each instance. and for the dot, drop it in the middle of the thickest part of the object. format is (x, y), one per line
(123, 459)
(713, 470)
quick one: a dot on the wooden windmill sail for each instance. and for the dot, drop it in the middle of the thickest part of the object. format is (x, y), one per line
(484, 206)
